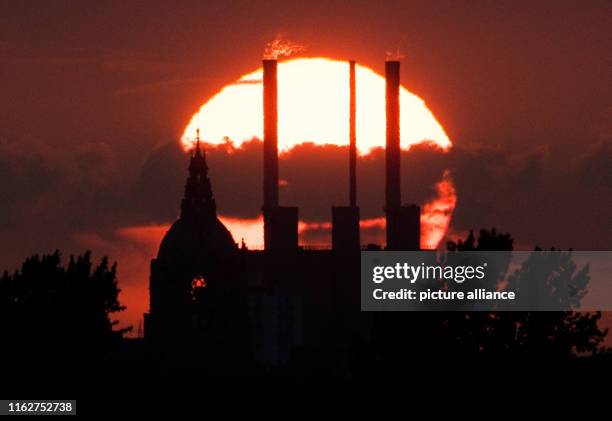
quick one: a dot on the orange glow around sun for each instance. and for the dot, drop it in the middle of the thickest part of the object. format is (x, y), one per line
(313, 106)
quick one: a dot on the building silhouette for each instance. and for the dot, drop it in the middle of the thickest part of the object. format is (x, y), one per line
(227, 305)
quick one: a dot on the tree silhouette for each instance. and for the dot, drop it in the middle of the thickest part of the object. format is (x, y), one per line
(564, 285)
(50, 312)
(551, 333)
(428, 336)
(487, 241)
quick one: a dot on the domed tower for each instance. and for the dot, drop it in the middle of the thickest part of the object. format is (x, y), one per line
(194, 285)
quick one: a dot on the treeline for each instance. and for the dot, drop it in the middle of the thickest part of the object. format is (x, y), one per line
(52, 313)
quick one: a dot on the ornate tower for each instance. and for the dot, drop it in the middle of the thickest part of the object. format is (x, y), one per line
(195, 286)
(198, 202)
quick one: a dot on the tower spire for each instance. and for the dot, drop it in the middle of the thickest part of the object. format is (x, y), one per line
(197, 148)
(198, 201)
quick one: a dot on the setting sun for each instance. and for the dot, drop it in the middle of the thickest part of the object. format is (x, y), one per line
(313, 107)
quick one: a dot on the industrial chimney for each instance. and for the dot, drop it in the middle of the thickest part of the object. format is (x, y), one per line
(345, 219)
(403, 222)
(392, 147)
(280, 223)
(352, 135)
(270, 135)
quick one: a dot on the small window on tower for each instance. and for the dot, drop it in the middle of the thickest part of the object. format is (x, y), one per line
(198, 286)
(199, 282)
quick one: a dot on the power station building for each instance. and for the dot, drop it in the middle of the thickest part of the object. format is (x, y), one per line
(227, 305)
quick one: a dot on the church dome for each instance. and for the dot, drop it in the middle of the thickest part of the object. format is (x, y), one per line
(198, 233)
(189, 239)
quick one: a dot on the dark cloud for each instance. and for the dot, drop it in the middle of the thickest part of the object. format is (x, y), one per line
(538, 195)
(54, 195)
(315, 178)
(594, 168)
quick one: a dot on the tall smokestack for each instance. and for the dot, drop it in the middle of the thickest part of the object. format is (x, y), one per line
(392, 151)
(345, 219)
(392, 156)
(403, 222)
(270, 133)
(280, 223)
(352, 137)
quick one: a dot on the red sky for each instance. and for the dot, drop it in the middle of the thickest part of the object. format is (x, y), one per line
(96, 94)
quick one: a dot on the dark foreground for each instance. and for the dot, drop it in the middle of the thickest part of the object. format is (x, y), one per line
(136, 380)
